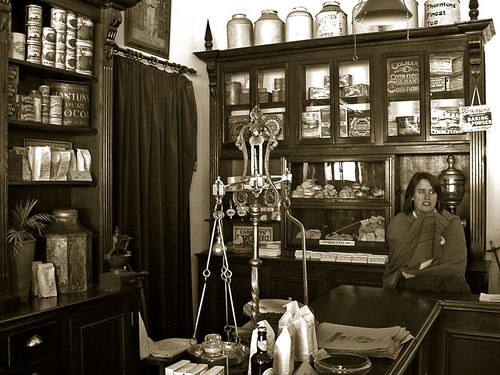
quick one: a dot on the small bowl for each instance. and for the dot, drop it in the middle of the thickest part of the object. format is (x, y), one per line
(342, 363)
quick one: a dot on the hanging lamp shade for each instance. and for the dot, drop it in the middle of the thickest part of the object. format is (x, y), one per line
(383, 12)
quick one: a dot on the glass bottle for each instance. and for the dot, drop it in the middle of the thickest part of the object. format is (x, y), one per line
(269, 28)
(261, 362)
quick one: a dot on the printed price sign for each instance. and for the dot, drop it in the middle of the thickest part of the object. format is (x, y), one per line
(475, 118)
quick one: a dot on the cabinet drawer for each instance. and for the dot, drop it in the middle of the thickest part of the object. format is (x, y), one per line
(32, 344)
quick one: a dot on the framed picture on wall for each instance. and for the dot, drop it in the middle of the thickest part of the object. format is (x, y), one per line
(147, 27)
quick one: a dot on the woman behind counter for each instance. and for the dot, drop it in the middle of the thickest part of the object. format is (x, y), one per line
(427, 249)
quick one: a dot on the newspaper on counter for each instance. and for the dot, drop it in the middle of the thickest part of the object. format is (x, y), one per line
(372, 342)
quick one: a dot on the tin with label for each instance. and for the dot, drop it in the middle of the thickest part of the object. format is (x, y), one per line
(56, 110)
(84, 29)
(84, 57)
(331, 21)
(60, 61)
(233, 91)
(34, 53)
(33, 14)
(58, 19)
(438, 12)
(71, 21)
(45, 92)
(17, 46)
(33, 33)
(70, 58)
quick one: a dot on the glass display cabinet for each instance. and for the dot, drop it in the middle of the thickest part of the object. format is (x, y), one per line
(343, 203)
(245, 89)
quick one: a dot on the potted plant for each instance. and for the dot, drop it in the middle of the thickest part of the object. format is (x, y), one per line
(21, 236)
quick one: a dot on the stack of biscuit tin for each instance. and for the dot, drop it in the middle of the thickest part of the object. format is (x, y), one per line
(33, 33)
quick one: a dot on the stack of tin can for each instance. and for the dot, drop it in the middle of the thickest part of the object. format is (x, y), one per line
(58, 24)
(33, 33)
(70, 41)
(84, 45)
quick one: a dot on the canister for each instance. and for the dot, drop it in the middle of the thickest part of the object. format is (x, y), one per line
(45, 92)
(84, 29)
(361, 27)
(84, 57)
(71, 21)
(37, 104)
(410, 23)
(58, 19)
(69, 248)
(269, 28)
(33, 14)
(299, 25)
(330, 21)
(17, 46)
(33, 33)
(438, 12)
(70, 58)
(232, 92)
(239, 31)
(34, 53)
(56, 110)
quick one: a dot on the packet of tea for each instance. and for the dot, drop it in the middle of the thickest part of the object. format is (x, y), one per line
(47, 280)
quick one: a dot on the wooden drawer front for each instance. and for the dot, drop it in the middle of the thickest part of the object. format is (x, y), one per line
(34, 344)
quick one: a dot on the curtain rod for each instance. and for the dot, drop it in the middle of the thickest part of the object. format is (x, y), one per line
(136, 55)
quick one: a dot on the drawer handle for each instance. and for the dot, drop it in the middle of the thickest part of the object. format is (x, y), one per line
(34, 341)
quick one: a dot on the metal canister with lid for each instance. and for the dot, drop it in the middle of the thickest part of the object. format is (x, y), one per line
(330, 21)
(298, 25)
(441, 12)
(269, 28)
(239, 31)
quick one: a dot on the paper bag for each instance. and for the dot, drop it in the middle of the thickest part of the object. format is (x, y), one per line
(47, 280)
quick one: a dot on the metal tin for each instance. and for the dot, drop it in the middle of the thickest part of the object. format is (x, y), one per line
(439, 12)
(76, 102)
(60, 42)
(299, 25)
(33, 33)
(69, 248)
(71, 21)
(60, 62)
(58, 19)
(84, 29)
(70, 58)
(71, 39)
(360, 27)
(34, 14)
(331, 21)
(232, 92)
(269, 28)
(33, 53)
(48, 54)
(411, 23)
(37, 104)
(84, 57)
(45, 93)
(49, 36)
(17, 46)
(239, 31)
(56, 110)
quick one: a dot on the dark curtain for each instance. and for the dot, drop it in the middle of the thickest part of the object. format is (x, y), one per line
(154, 153)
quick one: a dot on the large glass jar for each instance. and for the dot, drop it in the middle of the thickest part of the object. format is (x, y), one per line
(69, 248)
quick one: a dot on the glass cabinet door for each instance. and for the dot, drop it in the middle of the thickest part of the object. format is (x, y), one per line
(403, 98)
(271, 98)
(446, 83)
(315, 116)
(236, 104)
(243, 90)
(354, 101)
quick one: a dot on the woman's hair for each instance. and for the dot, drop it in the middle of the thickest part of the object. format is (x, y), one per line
(408, 205)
